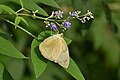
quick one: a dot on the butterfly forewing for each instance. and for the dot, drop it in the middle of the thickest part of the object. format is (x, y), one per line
(50, 48)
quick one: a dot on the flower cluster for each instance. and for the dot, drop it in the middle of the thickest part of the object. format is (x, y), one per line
(58, 14)
(86, 17)
(65, 24)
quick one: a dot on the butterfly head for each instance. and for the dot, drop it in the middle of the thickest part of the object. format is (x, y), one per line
(58, 35)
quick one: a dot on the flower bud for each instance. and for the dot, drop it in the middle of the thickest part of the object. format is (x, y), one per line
(67, 24)
(53, 26)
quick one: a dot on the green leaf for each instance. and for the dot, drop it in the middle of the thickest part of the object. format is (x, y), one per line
(37, 59)
(74, 70)
(67, 40)
(18, 19)
(3, 1)
(7, 9)
(7, 75)
(44, 34)
(0, 10)
(8, 49)
(1, 71)
(12, 65)
(48, 2)
(22, 19)
(32, 6)
(28, 4)
(21, 2)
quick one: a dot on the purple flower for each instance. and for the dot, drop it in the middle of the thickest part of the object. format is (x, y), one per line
(53, 26)
(73, 14)
(59, 14)
(67, 24)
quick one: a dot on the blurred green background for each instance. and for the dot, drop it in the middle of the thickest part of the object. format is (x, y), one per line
(95, 47)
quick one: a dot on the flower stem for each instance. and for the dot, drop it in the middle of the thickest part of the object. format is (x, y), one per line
(21, 28)
(21, 14)
(19, 10)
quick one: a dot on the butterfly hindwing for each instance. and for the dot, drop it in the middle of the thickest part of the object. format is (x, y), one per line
(63, 58)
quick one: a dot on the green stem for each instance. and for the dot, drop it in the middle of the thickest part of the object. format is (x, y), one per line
(26, 10)
(37, 17)
(21, 14)
(19, 10)
(23, 9)
(20, 28)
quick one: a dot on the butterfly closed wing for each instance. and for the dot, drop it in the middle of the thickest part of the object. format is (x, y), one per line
(54, 48)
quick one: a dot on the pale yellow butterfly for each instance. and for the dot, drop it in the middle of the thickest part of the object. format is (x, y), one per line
(54, 48)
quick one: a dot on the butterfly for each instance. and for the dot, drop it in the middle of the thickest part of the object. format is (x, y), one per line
(54, 48)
